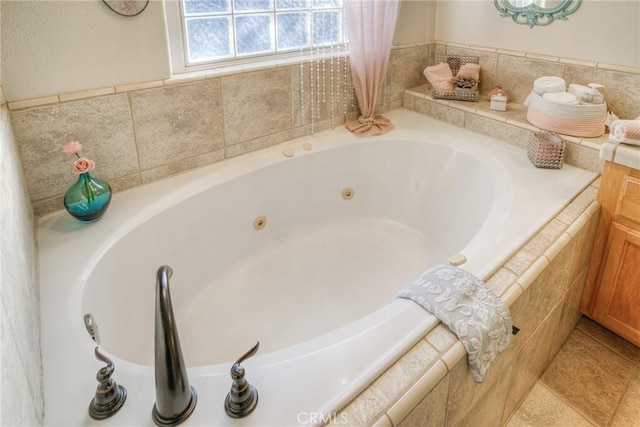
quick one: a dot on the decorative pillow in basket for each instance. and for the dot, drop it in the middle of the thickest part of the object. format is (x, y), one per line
(454, 77)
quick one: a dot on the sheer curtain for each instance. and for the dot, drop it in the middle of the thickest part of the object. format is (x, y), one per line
(370, 25)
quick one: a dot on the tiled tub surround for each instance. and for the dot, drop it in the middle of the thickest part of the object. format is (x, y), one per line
(106, 122)
(542, 284)
(339, 354)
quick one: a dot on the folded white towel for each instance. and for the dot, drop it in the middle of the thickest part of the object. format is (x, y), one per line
(561, 98)
(578, 90)
(625, 131)
(549, 84)
(479, 318)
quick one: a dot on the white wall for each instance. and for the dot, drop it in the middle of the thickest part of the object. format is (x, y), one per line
(605, 31)
(416, 22)
(52, 47)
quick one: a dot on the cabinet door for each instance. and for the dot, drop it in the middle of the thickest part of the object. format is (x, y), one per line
(617, 304)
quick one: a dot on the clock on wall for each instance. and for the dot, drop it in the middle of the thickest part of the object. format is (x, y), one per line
(127, 7)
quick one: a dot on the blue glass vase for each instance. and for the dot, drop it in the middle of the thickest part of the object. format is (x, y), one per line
(88, 199)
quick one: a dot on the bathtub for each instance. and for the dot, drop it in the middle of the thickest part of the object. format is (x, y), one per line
(301, 246)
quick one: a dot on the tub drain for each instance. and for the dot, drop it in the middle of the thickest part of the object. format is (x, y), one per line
(259, 222)
(347, 193)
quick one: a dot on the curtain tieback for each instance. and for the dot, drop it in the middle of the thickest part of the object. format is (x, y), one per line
(364, 120)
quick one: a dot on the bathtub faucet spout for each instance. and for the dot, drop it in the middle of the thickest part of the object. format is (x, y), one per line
(175, 398)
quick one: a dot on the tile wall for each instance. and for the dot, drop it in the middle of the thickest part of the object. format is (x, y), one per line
(141, 133)
(144, 132)
(21, 402)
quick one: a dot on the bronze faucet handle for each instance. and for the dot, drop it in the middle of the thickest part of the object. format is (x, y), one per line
(109, 396)
(243, 397)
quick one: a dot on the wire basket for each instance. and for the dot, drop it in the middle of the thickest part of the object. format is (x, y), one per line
(546, 150)
(455, 62)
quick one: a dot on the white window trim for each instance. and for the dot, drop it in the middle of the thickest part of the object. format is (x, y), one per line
(176, 34)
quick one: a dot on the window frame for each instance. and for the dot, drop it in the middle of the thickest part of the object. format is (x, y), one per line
(178, 51)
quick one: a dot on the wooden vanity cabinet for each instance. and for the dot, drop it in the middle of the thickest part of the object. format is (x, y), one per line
(612, 289)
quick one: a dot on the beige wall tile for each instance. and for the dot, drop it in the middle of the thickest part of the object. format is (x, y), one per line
(488, 410)
(399, 410)
(103, 127)
(258, 143)
(320, 126)
(501, 281)
(313, 78)
(510, 134)
(181, 166)
(465, 393)
(400, 376)
(583, 157)
(570, 312)
(45, 206)
(531, 362)
(387, 389)
(432, 410)
(621, 91)
(577, 206)
(364, 409)
(584, 244)
(439, 111)
(177, 122)
(257, 104)
(125, 182)
(441, 338)
(542, 295)
(517, 74)
(406, 68)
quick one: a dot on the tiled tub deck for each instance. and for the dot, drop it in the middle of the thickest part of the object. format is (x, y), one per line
(542, 285)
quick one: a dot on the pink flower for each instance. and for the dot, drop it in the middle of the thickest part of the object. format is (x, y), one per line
(83, 165)
(73, 147)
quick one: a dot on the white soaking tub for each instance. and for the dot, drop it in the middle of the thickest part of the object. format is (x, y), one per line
(315, 285)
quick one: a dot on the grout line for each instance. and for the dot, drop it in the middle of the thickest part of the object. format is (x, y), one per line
(599, 341)
(134, 133)
(621, 398)
(564, 400)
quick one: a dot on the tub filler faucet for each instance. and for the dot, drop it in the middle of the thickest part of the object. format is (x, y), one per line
(175, 398)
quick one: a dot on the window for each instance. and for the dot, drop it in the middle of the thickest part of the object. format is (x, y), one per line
(220, 32)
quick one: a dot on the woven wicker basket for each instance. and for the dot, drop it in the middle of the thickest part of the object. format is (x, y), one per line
(455, 62)
(546, 150)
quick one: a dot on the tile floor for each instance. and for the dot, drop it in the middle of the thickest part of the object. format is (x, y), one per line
(593, 381)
